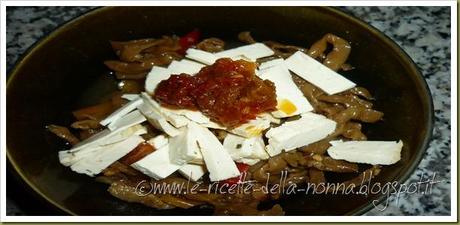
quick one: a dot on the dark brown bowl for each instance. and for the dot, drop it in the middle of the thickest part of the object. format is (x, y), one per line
(64, 71)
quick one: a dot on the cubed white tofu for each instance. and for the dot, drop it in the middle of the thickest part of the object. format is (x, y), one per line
(369, 152)
(297, 133)
(192, 171)
(157, 120)
(316, 73)
(245, 148)
(102, 157)
(252, 51)
(252, 128)
(184, 147)
(201, 56)
(133, 118)
(290, 100)
(156, 164)
(185, 66)
(130, 97)
(127, 108)
(154, 77)
(158, 141)
(218, 162)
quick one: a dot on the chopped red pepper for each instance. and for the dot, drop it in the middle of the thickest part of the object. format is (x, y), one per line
(189, 40)
(234, 180)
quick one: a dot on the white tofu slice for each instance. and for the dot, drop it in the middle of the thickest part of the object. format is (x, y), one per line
(158, 141)
(158, 74)
(218, 162)
(92, 140)
(185, 66)
(102, 157)
(192, 171)
(248, 161)
(123, 133)
(156, 164)
(258, 149)
(128, 107)
(229, 53)
(177, 117)
(369, 152)
(271, 63)
(213, 125)
(186, 114)
(157, 120)
(243, 57)
(252, 51)
(107, 136)
(184, 147)
(290, 100)
(245, 148)
(270, 117)
(130, 97)
(174, 119)
(293, 134)
(155, 76)
(195, 116)
(253, 128)
(69, 157)
(133, 118)
(201, 56)
(318, 74)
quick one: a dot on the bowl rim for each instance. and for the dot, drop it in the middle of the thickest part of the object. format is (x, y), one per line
(426, 96)
(11, 74)
(407, 60)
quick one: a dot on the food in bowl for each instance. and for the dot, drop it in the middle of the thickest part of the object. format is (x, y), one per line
(193, 121)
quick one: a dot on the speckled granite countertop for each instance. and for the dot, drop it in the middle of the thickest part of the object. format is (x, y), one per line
(423, 32)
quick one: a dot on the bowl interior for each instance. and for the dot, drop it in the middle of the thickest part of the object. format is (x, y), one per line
(65, 71)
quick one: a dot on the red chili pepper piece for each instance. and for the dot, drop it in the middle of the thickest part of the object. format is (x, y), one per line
(242, 168)
(189, 40)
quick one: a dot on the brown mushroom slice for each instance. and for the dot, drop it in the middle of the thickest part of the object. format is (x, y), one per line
(339, 54)
(63, 133)
(130, 193)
